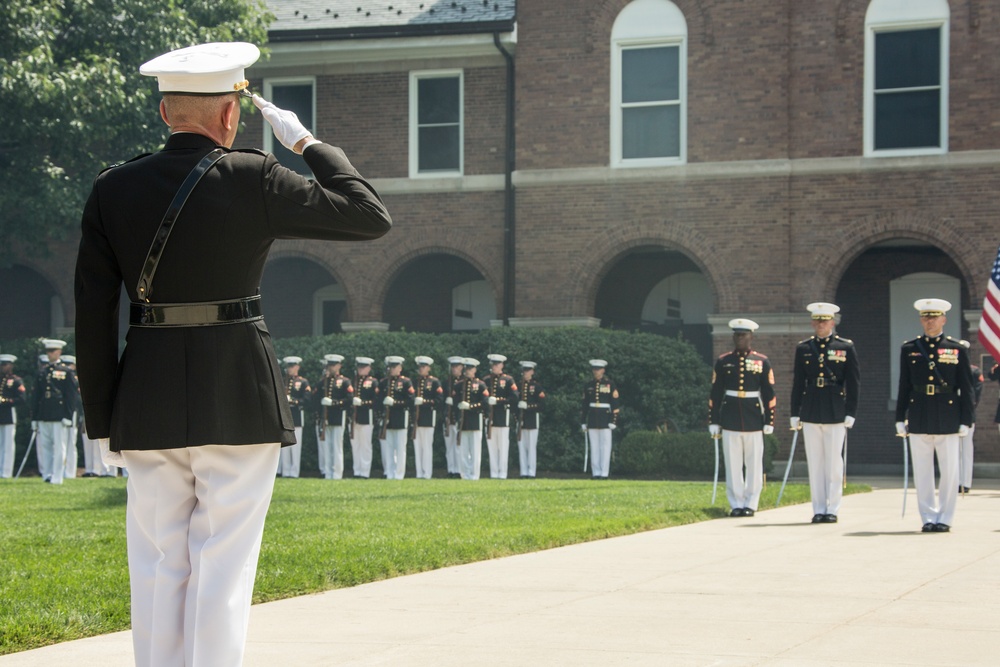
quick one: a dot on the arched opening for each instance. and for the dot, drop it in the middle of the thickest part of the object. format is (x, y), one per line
(301, 298)
(661, 291)
(438, 293)
(32, 306)
(876, 295)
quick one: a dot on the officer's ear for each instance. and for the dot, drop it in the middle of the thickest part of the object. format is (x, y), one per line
(230, 112)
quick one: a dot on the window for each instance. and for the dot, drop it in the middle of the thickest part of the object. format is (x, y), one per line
(436, 132)
(906, 77)
(649, 85)
(298, 95)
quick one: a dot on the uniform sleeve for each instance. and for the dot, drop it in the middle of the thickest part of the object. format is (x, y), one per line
(966, 400)
(798, 382)
(904, 389)
(767, 393)
(98, 286)
(715, 397)
(852, 382)
(437, 394)
(615, 403)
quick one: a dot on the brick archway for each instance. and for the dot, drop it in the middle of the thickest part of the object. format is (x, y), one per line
(336, 269)
(604, 13)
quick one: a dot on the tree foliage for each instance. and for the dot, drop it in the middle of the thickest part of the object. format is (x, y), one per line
(74, 101)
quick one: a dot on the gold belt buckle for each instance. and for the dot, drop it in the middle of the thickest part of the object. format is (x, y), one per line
(820, 382)
(931, 389)
(741, 394)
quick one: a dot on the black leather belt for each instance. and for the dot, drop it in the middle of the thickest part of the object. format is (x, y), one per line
(936, 389)
(209, 313)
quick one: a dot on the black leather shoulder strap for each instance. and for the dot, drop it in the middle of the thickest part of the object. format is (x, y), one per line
(145, 287)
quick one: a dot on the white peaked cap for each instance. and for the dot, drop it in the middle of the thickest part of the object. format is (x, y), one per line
(207, 69)
(932, 306)
(598, 363)
(823, 311)
(742, 324)
(426, 361)
(291, 360)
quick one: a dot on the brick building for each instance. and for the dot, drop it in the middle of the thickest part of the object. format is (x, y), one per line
(650, 165)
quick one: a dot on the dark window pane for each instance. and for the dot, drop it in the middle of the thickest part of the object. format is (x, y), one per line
(298, 98)
(438, 148)
(437, 100)
(651, 132)
(650, 75)
(908, 120)
(908, 59)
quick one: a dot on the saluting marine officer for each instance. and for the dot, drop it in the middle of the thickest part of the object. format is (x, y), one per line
(397, 391)
(297, 392)
(56, 401)
(428, 397)
(503, 394)
(600, 417)
(469, 396)
(333, 395)
(450, 427)
(934, 407)
(528, 420)
(741, 410)
(824, 402)
(363, 406)
(11, 398)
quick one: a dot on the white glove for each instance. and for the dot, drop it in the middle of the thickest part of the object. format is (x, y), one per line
(522, 405)
(67, 422)
(583, 427)
(449, 401)
(389, 400)
(34, 426)
(714, 430)
(289, 397)
(794, 423)
(492, 400)
(963, 431)
(356, 402)
(464, 405)
(900, 428)
(848, 421)
(109, 457)
(327, 401)
(418, 401)
(286, 125)
(768, 429)
(612, 426)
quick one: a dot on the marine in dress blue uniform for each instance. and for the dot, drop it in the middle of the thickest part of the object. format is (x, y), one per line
(428, 398)
(599, 417)
(363, 416)
(741, 410)
(56, 400)
(469, 396)
(333, 397)
(503, 396)
(528, 419)
(824, 403)
(297, 394)
(12, 398)
(450, 427)
(397, 399)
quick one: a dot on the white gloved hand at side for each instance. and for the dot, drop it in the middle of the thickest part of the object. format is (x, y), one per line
(492, 400)
(612, 426)
(109, 457)
(794, 423)
(900, 428)
(418, 401)
(356, 401)
(848, 421)
(67, 422)
(963, 431)
(327, 401)
(389, 400)
(464, 405)
(583, 427)
(714, 430)
(286, 125)
(522, 405)
(449, 401)
(768, 429)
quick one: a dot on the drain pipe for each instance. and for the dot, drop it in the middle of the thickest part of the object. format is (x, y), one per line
(509, 248)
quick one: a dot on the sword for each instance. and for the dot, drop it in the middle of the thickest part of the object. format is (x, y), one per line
(788, 468)
(845, 457)
(961, 465)
(715, 479)
(906, 470)
(31, 443)
(586, 449)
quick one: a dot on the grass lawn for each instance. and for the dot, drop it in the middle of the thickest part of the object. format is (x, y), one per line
(64, 574)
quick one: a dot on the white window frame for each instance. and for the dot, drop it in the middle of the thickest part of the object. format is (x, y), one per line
(414, 161)
(269, 84)
(897, 16)
(635, 34)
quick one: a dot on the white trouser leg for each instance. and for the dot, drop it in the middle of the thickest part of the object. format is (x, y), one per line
(493, 451)
(195, 518)
(600, 451)
(396, 438)
(753, 460)
(499, 451)
(522, 451)
(824, 451)
(471, 452)
(335, 451)
(72, 456)
(606, 444)
(7, 433)
(44, 443)
(532, 439)
(922, 455)
(946, 448)
(323, 450)
(58, 434)
(88, 455)
(361, 449)
(743, 448)
(291, 457)
(450, 448)
(423, 451)
(388, 459)
(965, 469)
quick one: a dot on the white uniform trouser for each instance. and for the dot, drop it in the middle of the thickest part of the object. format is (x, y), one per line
(331, 449)
(72, 456)
(470, 452)
(451, 448)
(321, 451)
(743, 448)
(361, 450)
(423, 451)
(965, 466)
(388, 457)
(922, 450)
(600, 451)
(395, 444)
(824, 445)
(92, 461)
(498, 445)
(51, 444)
(7, 433)
(194, 523)
(527, 449)
(291, 456)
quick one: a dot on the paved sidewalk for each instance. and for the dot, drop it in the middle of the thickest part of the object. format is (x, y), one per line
(768, 590)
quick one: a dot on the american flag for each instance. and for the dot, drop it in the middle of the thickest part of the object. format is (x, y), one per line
(989, 325)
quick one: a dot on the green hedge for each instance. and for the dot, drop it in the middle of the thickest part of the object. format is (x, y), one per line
(663, 382)
(676, 455)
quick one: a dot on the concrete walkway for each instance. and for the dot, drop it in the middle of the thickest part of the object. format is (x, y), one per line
(768, 590)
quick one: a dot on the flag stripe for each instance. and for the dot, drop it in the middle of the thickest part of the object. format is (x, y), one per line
(989, 323)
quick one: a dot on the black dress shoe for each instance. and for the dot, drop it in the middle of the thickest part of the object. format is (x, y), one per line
(928, 528)
(942, 528)
(829, 518)
(737, 511)
(818, 518)
(747, 511)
